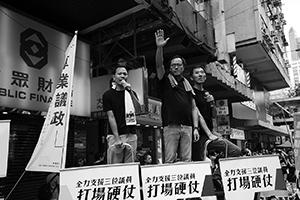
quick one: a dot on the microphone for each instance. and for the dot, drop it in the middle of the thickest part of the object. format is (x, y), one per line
(211, 103)
(126, 85)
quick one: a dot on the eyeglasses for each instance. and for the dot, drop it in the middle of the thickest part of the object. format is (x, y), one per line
(176, 65)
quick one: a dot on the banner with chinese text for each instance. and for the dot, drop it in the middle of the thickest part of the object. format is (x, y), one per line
(4, 141)
(107, 182)
(244, 176)
(50, 153)
(297, 140)
(177, 181)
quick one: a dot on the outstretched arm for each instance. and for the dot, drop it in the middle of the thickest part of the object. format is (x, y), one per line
(160, 43)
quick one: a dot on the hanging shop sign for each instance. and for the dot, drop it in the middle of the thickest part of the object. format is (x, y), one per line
(177, 181)
(32, 56)
(243, 177)
(118, 181)
(297, 140)
(237, 134)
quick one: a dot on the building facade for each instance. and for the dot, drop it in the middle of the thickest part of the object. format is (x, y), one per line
(244, 62)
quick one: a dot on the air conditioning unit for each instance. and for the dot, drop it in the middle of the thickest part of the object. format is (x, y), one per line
(272, 33)
(276, 39)
(273, 17)
(283, 22)
(276, 3)
(278, 26)
(267, 38)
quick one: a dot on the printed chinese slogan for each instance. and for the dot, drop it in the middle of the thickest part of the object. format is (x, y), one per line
(176, 181)
(243, 177)
(119, 181)
(49, 154)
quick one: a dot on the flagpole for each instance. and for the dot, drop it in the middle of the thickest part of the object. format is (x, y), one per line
(15, 185)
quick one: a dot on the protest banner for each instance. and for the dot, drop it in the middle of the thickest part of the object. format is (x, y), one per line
(105, 182)
(177, 181)
(49, 154)
(244, 176)
(4, 141)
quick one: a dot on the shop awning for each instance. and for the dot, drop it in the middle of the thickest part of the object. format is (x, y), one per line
(286, 144)
(259, 126)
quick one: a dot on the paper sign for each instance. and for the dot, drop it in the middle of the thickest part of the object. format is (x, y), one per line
(4, 141)
(177, 181)
(243, 177)
(101, 182)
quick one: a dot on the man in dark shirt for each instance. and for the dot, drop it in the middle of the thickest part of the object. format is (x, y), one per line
(120, 130)
(205, 104)
(179, 112)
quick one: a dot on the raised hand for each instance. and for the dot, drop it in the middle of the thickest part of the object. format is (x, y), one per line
(160, 38)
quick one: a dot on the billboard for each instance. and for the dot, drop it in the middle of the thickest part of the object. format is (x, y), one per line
(31, 59)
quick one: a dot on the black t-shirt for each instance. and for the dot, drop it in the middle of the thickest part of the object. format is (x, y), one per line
(114, 100)
(204, 108)
(176, 103)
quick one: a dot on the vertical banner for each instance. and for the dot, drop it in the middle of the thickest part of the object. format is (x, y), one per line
(101, 182)
(4, 141)
(297, 140)
(50, 152)
(243, 177)
(177, 181)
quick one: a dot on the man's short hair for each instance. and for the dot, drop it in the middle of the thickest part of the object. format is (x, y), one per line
(118, 66)
(196, 67)
(177, 56)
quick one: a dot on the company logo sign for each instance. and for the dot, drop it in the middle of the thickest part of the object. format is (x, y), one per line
(34, 48)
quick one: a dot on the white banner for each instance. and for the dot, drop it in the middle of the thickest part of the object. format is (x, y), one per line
(177, 181)
(4, 141)
(50, 152)
(101, 182)
(243, 177)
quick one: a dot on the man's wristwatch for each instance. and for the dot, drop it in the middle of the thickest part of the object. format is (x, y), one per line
(196, 128)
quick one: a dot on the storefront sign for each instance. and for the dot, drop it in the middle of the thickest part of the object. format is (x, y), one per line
(297, 140)
(243, 177)
(4, 141)
(237, 134)
(278, 140)
(177, 181)
(153, 117)
(107, 182)
(223, 125)
(32, 56)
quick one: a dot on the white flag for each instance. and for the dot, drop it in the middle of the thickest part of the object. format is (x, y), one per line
(50, 152)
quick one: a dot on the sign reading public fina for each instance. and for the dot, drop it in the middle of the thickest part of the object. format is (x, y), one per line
(31, 57)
